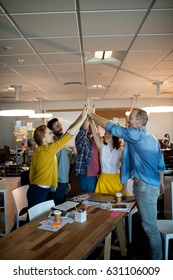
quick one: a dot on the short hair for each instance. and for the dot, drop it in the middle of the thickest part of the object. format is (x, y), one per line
(141, 115)
(39, 133)
(51, 122)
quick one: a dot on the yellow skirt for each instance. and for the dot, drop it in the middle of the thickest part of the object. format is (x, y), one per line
(109, 183)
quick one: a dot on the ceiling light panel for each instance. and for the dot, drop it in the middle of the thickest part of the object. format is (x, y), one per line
(16, 112)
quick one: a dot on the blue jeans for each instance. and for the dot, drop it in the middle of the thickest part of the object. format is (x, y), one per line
(146, 198)
(88, 183)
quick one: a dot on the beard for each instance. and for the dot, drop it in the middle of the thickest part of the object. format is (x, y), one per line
(58, 134)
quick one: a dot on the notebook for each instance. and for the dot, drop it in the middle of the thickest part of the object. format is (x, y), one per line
(66, 206)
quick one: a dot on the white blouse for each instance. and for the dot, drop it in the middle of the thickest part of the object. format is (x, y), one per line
(110, 160)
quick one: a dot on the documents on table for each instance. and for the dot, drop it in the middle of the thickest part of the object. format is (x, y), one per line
(66, 206)
(81, 198)
(103, 205)
(104, 202)
(47, 224)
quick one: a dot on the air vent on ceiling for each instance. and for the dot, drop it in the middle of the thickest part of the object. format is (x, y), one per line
(73, 84)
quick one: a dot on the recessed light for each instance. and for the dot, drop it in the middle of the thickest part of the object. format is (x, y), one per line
(20, 60)
(105, 57)
(98, 86)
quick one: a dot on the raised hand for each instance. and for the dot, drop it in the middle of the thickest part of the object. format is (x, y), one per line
(84, 112)
(74, 127)
(90, 107)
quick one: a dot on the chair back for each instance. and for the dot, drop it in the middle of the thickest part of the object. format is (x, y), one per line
(20, 203)
(40, 209)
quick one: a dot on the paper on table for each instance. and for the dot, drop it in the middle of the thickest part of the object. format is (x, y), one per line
(47, 224)
(66, 206)
(103, 205)
(81, 198)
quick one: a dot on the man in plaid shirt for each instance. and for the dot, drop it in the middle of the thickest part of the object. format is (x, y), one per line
(87, 163)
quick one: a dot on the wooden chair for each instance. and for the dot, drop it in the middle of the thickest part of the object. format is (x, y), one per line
(40, 209)
(165, 228)
(20, 203)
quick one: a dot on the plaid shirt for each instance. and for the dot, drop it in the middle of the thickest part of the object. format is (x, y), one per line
(84, 151)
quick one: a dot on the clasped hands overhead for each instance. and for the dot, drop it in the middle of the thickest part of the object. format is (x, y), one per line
(88, 108)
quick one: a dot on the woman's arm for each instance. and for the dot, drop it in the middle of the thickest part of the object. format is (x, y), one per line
(95, 135)
(78, 122)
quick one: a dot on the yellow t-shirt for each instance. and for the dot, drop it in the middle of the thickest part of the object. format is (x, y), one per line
(44, 167)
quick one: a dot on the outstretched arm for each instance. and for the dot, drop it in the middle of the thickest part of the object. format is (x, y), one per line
(96, 136)
(91, 112)
(85, 125)
(74, 127)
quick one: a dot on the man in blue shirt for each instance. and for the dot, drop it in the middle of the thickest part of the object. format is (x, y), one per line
(59, 195)
(143, 161)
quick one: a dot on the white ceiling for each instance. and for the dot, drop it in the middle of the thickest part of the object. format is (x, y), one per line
(53, 38)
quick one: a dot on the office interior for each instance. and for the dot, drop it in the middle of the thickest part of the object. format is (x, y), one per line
(56, 54)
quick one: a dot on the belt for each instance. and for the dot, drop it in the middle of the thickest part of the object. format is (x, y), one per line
(136, 180)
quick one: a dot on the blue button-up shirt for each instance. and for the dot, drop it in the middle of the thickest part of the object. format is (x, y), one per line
(142, 156)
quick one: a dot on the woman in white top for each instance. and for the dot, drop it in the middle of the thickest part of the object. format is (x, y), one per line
(110, 160)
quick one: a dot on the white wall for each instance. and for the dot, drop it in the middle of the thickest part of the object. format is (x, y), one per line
(160, 124)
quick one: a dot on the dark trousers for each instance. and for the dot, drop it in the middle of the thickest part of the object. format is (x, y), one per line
(36, 194)
(59, 195)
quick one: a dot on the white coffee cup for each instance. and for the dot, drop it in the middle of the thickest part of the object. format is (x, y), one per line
(57, 215)
(119, 196)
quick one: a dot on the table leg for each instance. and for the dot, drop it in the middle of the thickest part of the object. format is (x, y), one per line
(122, 238)
(107, 247)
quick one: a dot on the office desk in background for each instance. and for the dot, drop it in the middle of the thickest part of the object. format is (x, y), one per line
(72, 242)
(7, 210)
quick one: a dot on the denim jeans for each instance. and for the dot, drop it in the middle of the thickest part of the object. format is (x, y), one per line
(146, 198)
(88, 183)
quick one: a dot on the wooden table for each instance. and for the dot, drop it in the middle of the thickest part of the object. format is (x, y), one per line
(7, 210)
(73, 241)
